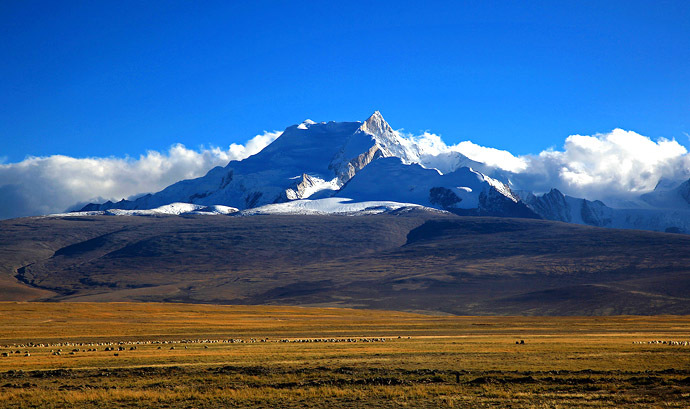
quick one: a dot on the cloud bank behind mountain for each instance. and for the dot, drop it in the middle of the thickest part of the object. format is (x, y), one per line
(43, 185)
(616, 166)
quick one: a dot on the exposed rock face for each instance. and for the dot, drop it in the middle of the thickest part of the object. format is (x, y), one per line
(550, 206)
(298, 190)
(92, 207)
(494, 203)
(386, 143)
(358, 163)
(684, 191)
(122, 204)
(443, 197)
(376, 125)
(252, 199)
(592, 214)
(556, 206)
(225, 181)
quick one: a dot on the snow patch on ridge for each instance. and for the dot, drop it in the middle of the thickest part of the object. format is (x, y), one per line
(331, 205)
(170, 209)
(305, 124)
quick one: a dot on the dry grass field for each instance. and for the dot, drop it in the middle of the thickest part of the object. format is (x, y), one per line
(206, 356)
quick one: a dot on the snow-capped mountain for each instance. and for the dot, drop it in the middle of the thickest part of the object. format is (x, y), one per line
(554, 205)
(305, 160)
(350, 167)
(669, 195)
(463, 191)
(320, 160)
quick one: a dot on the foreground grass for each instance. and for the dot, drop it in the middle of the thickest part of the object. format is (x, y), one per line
(423, 362)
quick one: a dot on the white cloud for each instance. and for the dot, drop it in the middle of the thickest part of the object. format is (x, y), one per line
(430, 144)
(42, 185)
(491, 156)
(619, 165)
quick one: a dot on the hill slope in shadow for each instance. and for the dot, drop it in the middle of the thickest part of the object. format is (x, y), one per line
(416, 261)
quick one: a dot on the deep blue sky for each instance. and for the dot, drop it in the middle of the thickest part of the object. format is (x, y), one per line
(99, 78)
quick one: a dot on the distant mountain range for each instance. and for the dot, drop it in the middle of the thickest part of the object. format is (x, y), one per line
(355, 167)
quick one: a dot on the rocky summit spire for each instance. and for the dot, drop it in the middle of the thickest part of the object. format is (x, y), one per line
(387, 140)
(376, 125)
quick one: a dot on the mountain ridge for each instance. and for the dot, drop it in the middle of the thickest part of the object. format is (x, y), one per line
(321, 159)
(413, 260)
(370, 162)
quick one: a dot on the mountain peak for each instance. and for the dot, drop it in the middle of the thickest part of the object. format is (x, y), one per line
(376, 125)
(306, 124)
(376, 114)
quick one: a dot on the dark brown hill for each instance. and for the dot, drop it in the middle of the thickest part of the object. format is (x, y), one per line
(415, 262)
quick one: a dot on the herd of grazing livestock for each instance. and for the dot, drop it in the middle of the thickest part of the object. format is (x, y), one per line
(72, 348)
(660, 342)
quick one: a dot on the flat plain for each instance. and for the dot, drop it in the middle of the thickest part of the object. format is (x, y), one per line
(82, 355)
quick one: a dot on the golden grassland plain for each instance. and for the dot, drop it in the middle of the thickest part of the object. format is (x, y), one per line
(181, 356)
